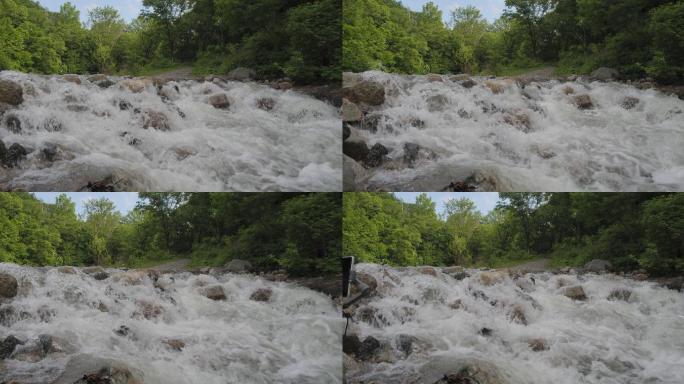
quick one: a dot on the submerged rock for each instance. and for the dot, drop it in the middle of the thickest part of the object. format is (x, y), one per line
(8, 345)
(86, 369)
(356, 146)
(619, 294)
(629, 102)
(266, 103)
(351, 344)
(376, 155)
(175, 344)
(583, 102)
(368, 348)
(155, 120)
(261, 294)
(538, 345)
(14, 155)
(13, 123)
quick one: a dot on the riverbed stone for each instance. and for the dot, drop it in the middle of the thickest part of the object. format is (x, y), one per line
(356, 146)
(351, 113)
(368, 348)
(376, 155)
(175, 344)
(215, 293)
(620, 294)
(8, 345)
(8, 286)
(13, 123)
(351, 344)
(583, 102)
(629, 102)
(155, 120)
(575, 292)
(220, 101)
(88, 369)
(11, 93)
(354, 173)
(266, 104)
(538, 344)
(365, 92)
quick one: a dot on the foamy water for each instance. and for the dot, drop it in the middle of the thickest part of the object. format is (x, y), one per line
(293, 147)
(292, 338)
(528, 139)
(637, 341)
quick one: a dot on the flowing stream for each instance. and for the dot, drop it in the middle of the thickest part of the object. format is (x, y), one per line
(167, 330)
(521, 329)
(499, 134)
(170, 138)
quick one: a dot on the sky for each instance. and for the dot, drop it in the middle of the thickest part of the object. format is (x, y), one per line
(129, 9)
(491, 9)
(123, 201)
(484, 201)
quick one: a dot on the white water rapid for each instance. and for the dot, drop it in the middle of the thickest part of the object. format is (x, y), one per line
(511, 329)
(502, 136)
(167, 330)
(266, 140)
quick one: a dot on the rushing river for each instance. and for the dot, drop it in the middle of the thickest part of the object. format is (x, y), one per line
(166, 329)
(170, 139)
(500, 135)
(517, 330)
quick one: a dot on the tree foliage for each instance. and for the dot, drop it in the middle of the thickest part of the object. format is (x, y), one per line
(296, 231)
(299, 38)
(637, 37)
(633, 230)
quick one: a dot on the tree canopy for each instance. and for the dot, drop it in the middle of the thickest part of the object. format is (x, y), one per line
(632, 230)
(300, 39)
(299, 232)
(637, 37)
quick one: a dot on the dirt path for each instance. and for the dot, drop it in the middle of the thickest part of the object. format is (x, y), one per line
(538, 265)
(184, 73)
(173, 266)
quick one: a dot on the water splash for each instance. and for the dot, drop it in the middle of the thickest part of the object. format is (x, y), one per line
(267, 140)
(130, 317)
(521, 328)
(506, 137)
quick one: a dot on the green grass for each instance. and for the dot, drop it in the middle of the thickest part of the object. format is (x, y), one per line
(155, 70)
(507, 262)
(149, 263)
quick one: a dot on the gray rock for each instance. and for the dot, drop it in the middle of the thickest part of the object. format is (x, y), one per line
(575, 292)
(87, 369)
(368, 348)
(241, 74)
(356, 146)
(350, 112)
(8, 345)
(215, 293)
(604, 74)
(261, 294)
(411, 152)
(237, 265)
(598, 265)
(365, 92)
(376, 155)
(220, 101)
(353, 174)
(405, 343)
(11, 93)
(13, 123)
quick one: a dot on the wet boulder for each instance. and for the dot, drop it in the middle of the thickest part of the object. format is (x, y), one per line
(629, 102)
(52, 125)
(13, 123)
(237, 265)
(92, 270)
(583, 102)
(495, 87)
(67, 270)
(14, 155)
(434, 78)
(598, 265)
(459, 186)
(448, 370)
(368, 280)
(148, 310)
(428, 271)
(8, 345)
(44, 346)
(155, 120)
(135, 85)
(538, 345)
(351, 113)
(365, 92)
(575, 293)
(87, 369)
(215, 293)
(8, 286)
(369, 347)
(356, 146)
(468, 83)
(519, 120)
(405, 343)
(568, 90)
(261, 294)
(220, 101)
(72, 79)
(11, 93)
(241, 74)
(266, 104)
(351, 344)
(372, 122)
(517, 315)
(489, 278)
(10, 315)
(376, 155)
(411, 152)
(619, 294)
(353, 175)
(77, 108)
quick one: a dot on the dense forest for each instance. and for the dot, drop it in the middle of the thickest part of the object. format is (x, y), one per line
(299, 232)
(632, 230)
(637, 37)
(295, 38)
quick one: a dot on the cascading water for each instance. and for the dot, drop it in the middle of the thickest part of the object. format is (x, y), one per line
(541, 136)
(491, 327)
(167, 329)
(171, 138)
